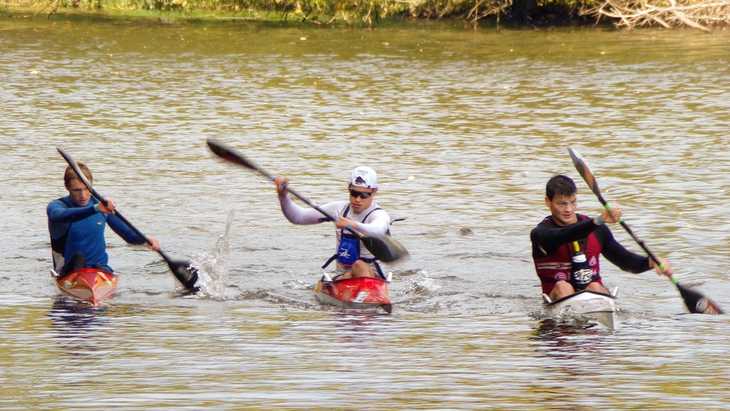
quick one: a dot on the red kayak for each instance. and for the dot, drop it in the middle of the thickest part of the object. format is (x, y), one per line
(90, 285)
(360, 292)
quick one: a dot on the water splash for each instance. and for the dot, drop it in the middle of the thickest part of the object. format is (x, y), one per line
(213, 267)
(422, 284)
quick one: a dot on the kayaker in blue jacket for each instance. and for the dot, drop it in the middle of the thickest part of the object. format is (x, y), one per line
(76, 224)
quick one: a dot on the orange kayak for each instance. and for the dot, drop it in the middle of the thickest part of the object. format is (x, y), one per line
(90, 285)
(360, 292)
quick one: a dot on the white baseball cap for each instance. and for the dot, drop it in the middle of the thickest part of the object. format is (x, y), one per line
(365, 177)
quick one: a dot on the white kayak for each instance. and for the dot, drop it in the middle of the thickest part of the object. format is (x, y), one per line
(585, 303)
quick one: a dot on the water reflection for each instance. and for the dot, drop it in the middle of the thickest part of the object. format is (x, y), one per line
(576, 351)
(360, 322)
(568, 339)
(76, 324)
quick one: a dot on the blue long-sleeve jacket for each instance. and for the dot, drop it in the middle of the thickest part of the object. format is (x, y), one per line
(80, 230)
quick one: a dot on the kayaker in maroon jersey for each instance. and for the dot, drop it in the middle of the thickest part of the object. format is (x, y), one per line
(566, 246)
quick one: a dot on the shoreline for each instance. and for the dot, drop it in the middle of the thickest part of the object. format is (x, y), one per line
(543, 18)
(702, 15)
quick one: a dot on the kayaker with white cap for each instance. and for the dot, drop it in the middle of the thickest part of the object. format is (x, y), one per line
(360, 213)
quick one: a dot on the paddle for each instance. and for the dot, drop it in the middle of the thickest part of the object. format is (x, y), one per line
(185, 273)
(384, 248)
(695, 302)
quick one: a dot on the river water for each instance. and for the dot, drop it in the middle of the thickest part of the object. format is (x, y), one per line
(464, 128)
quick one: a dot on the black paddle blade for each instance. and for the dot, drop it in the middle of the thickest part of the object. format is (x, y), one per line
(697, 303)
(385, 249)
(584, 171)
(229, 154)
(185, 273)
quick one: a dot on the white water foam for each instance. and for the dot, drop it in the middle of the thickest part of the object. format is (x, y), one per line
(213, 268)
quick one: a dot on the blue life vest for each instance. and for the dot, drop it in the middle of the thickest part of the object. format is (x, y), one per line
(348, 250)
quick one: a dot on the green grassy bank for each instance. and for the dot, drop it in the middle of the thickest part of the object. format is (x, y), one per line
(319, 12)
(699, 14)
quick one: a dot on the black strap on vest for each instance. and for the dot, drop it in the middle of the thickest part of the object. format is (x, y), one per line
(347, 210)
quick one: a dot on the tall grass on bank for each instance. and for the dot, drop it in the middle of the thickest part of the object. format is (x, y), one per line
(622, 13)
(666, 13)
(368, 12)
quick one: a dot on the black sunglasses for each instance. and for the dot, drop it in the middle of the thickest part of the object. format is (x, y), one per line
(361, 194)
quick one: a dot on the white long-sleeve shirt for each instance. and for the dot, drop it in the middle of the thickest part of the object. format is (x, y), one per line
(376, 224)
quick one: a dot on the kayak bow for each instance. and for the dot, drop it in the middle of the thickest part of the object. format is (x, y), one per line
(359, 292)
(89, 285)
(585, 303)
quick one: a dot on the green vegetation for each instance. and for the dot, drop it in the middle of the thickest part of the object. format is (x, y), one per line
(626, 13)
(352, 12)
